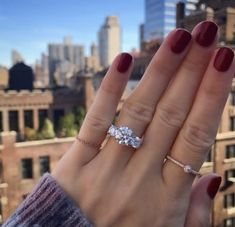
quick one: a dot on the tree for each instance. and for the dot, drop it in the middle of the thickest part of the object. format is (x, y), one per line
(67, 126)
(30, 134)
(47, 131)
(79, 113)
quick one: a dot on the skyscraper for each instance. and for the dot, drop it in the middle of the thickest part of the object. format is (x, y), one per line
(65, 54)
(109, 40)
(160, 17)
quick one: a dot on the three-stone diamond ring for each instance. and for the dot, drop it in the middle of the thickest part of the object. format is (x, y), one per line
(125, 136)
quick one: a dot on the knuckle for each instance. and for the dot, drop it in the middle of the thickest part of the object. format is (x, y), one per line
(96, 121)
(197, 138)
(171, 115)
(192, 64)
(138, 111)
(161, 67)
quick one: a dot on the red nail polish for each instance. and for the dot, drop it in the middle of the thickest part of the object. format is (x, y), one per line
(124, 62)
(213, 187)
(206, 33)
(180, 40)
(223, 59)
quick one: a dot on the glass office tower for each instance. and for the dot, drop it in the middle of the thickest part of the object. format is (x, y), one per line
(160, 18)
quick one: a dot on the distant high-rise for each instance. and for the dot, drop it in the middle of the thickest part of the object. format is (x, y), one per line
(160, 17)
(64, 54)
(109, 40)
(16, 57)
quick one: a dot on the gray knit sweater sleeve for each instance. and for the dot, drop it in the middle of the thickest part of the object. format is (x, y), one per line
(49, 206)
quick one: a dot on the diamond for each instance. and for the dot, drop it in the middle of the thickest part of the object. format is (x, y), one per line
(112, 130)
(188, 169)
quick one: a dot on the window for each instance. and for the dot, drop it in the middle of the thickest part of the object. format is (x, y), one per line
(229, 173)
(27, 168)
(42, 115)
(230, 222)
(58, 114)
(28, 118)
(44, 164)
(13, 121)
(230, 151)
(229, 200)
(232, 98)
(232, 123)
(1, 122)
(209, 156)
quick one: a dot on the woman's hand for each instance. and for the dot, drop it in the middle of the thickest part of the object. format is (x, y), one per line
(177, 108)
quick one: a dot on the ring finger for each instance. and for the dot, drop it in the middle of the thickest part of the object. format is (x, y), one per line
(138, 109)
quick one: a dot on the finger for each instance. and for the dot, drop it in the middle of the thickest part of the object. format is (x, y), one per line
(101, 112)
(199, 130)
(138, 109)
(201, 199)
(176, 102)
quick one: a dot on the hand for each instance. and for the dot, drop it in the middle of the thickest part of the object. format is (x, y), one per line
(177, 107)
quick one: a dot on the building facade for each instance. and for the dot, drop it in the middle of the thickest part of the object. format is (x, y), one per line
(109, 37)
(221, 12)
(62, 58)
(160, 17)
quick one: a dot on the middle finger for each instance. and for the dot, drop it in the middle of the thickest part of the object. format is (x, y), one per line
(176, 102)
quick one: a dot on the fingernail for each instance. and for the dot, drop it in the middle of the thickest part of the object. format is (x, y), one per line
(206, 33)
(223, 59)
(124, 62)
(180, 40)
(213, 187)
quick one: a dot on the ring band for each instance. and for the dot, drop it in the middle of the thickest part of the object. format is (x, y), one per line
(186, 168)
(87, 143)
(125, 136)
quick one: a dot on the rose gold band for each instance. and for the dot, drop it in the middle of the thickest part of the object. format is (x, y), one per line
(87, 143)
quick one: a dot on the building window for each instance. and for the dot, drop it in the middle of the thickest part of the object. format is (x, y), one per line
(13, 121)
(229, 174)
(28, 118)
(209, 156)
(232, 98)
(229, 200)
(232, 123)
(44, 164)
(230, 151)
(1, 124)
(27, 168)
(42, 115)
(58, 114)
(230, 222)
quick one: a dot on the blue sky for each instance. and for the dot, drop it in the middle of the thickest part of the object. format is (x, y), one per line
(29, 25)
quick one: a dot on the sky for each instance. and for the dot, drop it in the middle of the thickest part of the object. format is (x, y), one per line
(29, 25)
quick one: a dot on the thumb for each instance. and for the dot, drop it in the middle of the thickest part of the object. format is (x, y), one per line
(202, 195)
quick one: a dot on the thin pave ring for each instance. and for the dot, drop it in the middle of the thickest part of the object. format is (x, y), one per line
(186, 168)
(87, 143)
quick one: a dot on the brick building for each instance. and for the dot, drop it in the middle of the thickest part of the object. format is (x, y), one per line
(220, 11)
(24, 108)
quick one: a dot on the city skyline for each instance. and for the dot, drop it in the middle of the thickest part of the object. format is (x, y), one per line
(28, 26)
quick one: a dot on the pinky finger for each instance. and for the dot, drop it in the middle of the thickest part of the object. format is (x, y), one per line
(202, 195)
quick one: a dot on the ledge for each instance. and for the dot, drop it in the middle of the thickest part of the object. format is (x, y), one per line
(45, 142)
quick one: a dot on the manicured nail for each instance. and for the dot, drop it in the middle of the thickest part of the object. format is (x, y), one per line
(223, 59)
(124, 62)
(180, 40)
(206, 33)
(213, 187)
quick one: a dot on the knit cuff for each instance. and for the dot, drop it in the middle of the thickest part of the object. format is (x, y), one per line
(48, 205)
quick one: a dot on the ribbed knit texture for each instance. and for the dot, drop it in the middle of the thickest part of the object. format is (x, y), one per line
(49, 206)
